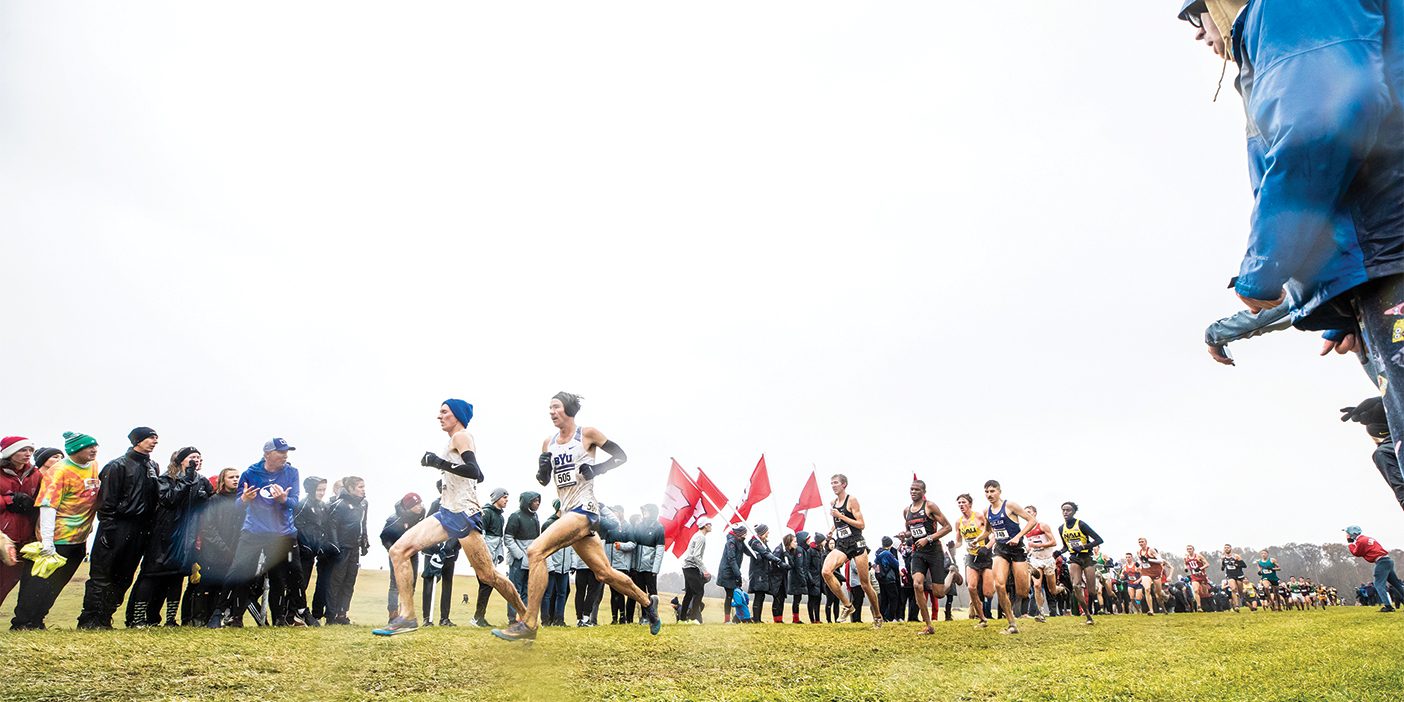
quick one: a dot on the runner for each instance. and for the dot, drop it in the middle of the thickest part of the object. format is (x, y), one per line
(1002, 521)
(1106, 581)
(1136, 583)
(928, 564)
(568, 459)
(848, 545)
(971, 526)
(459, 517)
(1250, 594)
(1151, 567)
(1267, 570)
(1080, 542)
(1197, 566)
(1234, 569)
(1043, 563)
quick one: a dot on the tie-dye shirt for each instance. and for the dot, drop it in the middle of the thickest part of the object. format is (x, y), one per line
(72, 491)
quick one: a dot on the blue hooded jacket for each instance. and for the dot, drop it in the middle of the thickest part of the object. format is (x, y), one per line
(1322, 84)
(264, 514)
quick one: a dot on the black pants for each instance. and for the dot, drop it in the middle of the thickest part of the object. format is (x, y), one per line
(117, 552)
(150, 594)
(344, 571)
(832, 607)
(692, 593)
(445, 591)
(726, 603)
(816, 600)
(37, 595)
(324, 565)
(888, 600)
(259, 554)
(855, 595)
(777, 608)
(484, 592)
(757, 605)
(795, 608)
(587, 594)
(616, 606)
(640, 579)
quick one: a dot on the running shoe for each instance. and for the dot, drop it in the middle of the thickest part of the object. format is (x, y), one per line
(517, 632)
(982, 624)
(398, 625)
(651, 614)
(1011, 629)
(1089, 622)
(928, 631)
(446, 622)
(846, 614)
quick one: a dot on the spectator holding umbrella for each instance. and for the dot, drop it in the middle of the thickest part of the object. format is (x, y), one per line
(1386, 580)
(19, 486)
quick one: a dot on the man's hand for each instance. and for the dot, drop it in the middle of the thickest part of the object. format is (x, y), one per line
(1260, 305)
(1345, 345)
(1220, 355)
(249, 494)
(278, 493)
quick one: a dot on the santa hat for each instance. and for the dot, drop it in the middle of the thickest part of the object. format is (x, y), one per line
(12, 445)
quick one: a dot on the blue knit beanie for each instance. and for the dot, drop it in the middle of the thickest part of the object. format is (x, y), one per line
(460, 409)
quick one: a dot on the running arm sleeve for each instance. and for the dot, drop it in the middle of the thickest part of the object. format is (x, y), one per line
(47, 517)
(1093, 538)
(616, 459)
(468, 469)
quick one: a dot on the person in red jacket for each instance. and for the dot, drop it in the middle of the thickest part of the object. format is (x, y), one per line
(1371, 550)
(19, 485)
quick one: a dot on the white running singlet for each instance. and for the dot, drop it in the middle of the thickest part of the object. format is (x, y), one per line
(572, 488)
(460, 493)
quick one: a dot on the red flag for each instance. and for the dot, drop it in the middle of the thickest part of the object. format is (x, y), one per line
(758, 490)
(809, 499)
(682, 505)
(713, 494)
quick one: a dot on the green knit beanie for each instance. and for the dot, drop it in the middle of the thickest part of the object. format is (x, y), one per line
(74, 442)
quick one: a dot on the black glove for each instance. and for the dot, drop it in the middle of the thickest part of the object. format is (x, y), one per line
(22, 503)
(587, 472)
(1369, 412)
(432, 460)
(543, 468)
(364, 549)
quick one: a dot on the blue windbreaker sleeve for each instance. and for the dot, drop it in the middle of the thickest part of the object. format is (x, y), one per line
(1246, 325)
(1317, 97)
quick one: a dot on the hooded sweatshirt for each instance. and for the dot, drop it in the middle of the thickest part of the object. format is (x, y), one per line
(266, 515)
(493, 523)
(311, 517)
(522, 528)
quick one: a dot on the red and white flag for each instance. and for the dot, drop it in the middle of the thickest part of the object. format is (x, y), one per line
(682, 505)
(711, 492)
(758, 490)
(809, 499)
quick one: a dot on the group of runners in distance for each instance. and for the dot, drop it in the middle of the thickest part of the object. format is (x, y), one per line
(1008, 551)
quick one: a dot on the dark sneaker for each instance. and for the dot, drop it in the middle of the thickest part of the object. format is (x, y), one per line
(216, 620)
(1386, 608)
(446, 622)
(517, 632)
(399, 625)
(651, 614)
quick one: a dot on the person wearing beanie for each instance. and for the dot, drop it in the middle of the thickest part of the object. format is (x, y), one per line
(67, 503)
(763, 563)
(46, 458)
(170, 553)
(523, 526)
(347, 539)
(493, 525)
(126, 506)
(409, 511)
(814, 564)
(270, 491)
(19, 487)
(314, 550)
(734, 552)
(798, 585)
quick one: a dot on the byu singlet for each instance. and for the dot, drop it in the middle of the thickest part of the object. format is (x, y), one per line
(574, 491)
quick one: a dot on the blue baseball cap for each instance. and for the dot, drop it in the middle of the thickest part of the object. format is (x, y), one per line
(276, 444)
(1353, 530)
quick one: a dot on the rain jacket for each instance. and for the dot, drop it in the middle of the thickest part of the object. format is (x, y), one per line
(266, 515)
(1322, 84)
(523, 526)
(493, 523)
(18, 523)
(171, 549)
(729, 570)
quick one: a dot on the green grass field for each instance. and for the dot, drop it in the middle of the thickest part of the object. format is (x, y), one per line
(1349, 653)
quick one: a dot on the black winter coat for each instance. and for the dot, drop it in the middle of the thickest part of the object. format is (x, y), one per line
(815, 564)
(729, 570)
(799, 570)
(128, 489)
(221, 519)
(764, 564)
(311, 522)
(346, 525)
(171, 549)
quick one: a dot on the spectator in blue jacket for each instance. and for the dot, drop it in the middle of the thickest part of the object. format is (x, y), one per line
(1322, 86)
(269, 490)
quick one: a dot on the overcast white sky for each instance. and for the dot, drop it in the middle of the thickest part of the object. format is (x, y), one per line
(970, 240)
